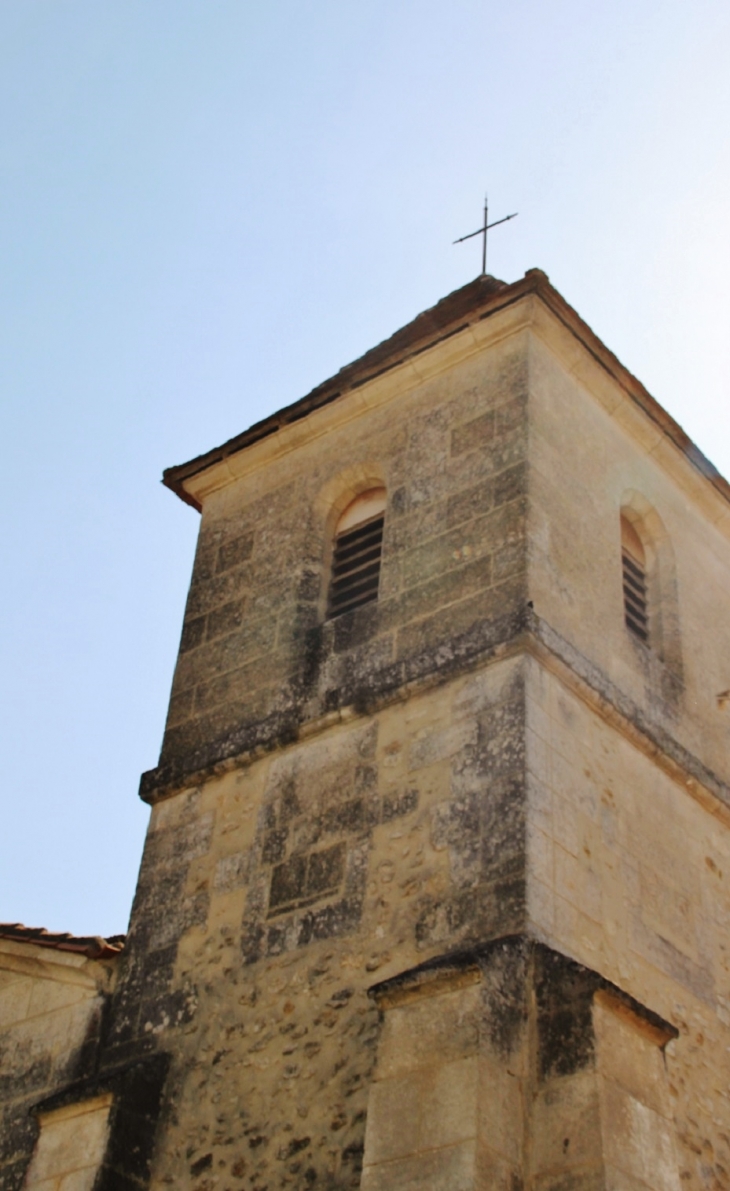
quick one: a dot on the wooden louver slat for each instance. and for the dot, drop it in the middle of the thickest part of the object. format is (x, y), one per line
(635, 604)
(356, 567)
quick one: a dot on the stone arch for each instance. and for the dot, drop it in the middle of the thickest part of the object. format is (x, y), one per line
(364, 507)
(339, 492)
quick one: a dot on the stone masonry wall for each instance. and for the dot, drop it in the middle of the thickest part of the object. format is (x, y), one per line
(272, 898)
(588, 455)
(255, 659)
(51, 1007)
(630, 874)
(512, 1066)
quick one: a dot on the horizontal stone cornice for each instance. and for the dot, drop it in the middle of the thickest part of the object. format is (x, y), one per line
(38, 963)
(487, 642)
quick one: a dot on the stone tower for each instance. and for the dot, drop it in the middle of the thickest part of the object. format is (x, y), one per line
(435, 892)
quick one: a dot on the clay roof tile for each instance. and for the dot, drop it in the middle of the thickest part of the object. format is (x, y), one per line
(93, 946)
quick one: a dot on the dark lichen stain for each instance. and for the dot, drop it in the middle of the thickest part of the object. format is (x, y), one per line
(564, 995)
(504, 974)
(364, 687)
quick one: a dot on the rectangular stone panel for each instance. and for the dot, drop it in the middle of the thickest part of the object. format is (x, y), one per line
(450, 1169)
(637, 1140)
(70, 1147)
(433, 1029)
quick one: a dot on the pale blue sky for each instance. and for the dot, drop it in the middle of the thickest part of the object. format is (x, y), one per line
(206, 207)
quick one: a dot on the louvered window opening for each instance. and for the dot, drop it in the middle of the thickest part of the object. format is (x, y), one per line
(635, 597)
(356, 567)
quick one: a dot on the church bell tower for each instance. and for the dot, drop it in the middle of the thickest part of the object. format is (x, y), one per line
(435, 889)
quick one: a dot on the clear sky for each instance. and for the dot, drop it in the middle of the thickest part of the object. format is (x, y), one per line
(207, 207)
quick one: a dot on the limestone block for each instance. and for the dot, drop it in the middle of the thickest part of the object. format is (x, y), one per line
(449, 1169)
(230, 872)
(539, 755)
(566, 1124)
(541, 855)
(488, 688)
(638, 1140)
(493, 1172)
(15, 995)
(49, 996)
(584, 1179)
(394, 1125)
(579, 933)
(669, 911)
(619, 1180)
(501, 1110)
(630, 1054)
(541, 907)
(448, 1104)
(432, 746)
(79, 1180)
(54, 1034)
(578, 882)
(430, 1107)
(438, 1029)
(70, 1147)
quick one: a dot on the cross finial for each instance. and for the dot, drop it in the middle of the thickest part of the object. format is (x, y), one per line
(482, 231)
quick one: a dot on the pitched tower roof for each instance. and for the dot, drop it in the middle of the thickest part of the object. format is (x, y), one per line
(478, 300)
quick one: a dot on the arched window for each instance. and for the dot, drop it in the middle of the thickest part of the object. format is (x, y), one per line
(650, 598)
(633, 563)
(356, 553)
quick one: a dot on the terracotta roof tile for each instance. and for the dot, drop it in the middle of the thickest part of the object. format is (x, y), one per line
(92, 946)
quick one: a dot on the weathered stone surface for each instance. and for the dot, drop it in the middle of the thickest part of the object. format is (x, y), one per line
(624, 871)
(495, 1085)
(460, 507)
(415, 792)
(51, 1020)
(270, 897)
(70, 1148)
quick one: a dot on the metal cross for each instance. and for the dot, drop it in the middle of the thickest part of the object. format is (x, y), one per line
(482, 231)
